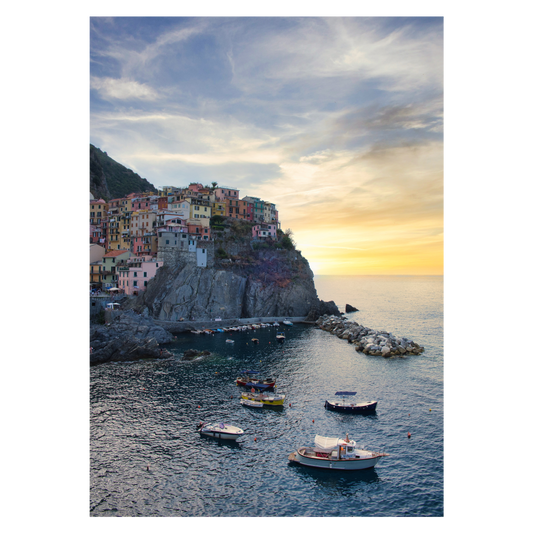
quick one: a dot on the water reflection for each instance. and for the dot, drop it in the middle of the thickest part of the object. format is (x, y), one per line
(342, 482)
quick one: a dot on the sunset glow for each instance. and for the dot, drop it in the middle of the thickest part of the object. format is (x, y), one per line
(337, 121)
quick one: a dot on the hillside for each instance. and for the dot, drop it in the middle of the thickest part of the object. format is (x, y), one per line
(109, 179)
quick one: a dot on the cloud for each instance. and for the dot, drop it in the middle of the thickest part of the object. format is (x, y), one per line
(338, 121)
(122, 89)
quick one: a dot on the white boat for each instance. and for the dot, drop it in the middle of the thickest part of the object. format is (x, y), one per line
(220, 431)
(336, 454)
(251, 403)
(276, 324)
(287, 322)
(230, 341)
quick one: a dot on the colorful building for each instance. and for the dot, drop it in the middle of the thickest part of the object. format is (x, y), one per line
(111, 261)
(263, 231)
(134, 275)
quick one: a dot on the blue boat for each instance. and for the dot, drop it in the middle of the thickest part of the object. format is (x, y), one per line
(347, 405)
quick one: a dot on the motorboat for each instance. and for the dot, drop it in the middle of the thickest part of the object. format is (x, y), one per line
(276, 324)
(287, 322)
(249, 378)
(336, 454)
(220, 431)
(266, 398)
(255, 341)
(230, 341)
(280, 337)
(347, 406)
(251, 403)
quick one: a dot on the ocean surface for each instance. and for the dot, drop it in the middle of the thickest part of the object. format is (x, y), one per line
(147, 459)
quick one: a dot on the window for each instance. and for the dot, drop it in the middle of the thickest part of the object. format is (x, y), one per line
(145, 283)
(145, 274)
(135, 274)
(167, 241)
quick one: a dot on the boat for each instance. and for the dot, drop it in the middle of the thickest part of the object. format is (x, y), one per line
(249, 378)
(220, 431)
(251, 403)
(280, 337)
(349, 407)
(255, 341)
(336, 454)
(231, 341)
(276, 324)
(287, 322)
(266, 398)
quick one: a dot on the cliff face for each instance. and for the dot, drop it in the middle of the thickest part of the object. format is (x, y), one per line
(269, 283)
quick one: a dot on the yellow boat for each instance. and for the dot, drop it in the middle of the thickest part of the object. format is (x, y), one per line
(265, 398)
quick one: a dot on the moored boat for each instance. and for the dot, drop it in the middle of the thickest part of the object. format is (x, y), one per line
(251, 403)
(255, 341)
(348, 406)
(280, 337)
(249, 378)
(266, 398)
(287, 322)
(220, 431)
(336, 454)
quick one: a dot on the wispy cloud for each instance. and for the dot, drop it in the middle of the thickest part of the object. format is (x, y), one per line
(336, 120)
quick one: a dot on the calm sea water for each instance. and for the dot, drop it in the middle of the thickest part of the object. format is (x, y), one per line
(148, 460)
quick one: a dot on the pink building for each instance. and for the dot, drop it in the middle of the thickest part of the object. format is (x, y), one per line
(133, 277)
(263, 231)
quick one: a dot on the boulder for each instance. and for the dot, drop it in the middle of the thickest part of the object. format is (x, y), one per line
(350, 308)
(129, 337)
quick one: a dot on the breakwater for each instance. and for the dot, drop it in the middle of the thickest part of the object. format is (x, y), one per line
(185, 326)
(367, 340)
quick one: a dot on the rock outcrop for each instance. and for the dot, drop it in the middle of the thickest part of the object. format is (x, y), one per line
(129, 337)
(269, 283)
(368, 341)
(351, 308)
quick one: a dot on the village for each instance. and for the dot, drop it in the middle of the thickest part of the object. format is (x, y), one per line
(132, 237)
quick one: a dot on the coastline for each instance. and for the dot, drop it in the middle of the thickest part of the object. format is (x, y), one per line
(187, 326)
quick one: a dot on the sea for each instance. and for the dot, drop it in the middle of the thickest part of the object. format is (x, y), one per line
(148, 460)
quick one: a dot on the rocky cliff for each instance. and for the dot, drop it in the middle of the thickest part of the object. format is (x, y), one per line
(128, 337)
(264, 283)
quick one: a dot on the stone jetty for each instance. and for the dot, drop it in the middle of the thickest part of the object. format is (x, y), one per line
(366, 340)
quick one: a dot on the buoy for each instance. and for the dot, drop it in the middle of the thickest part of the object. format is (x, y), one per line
(290, 405)
(198, 407)
(255, 439)
(408, 435)
(313, 421)
(430, 410)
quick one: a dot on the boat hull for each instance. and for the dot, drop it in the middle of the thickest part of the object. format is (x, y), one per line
(364, 407)
(265, 399)
(300, 457)
(247, 382)
(251, 403)
(216, 432)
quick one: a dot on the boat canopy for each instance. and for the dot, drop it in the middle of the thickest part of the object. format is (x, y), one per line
(261, 386)
(345, 393)
(330, 443)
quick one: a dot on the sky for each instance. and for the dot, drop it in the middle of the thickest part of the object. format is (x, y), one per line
(336, 120)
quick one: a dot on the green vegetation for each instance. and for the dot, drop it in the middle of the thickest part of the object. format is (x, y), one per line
(120, 180)
(221, 254)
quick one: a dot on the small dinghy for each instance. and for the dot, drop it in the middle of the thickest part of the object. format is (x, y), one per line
(220, 431)
(251, 403)
(230, 341)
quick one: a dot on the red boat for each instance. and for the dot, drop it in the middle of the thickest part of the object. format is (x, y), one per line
(249, 379)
